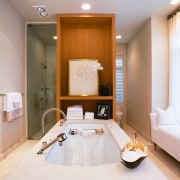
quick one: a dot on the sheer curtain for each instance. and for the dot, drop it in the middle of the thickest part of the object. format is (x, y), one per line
(174, 76)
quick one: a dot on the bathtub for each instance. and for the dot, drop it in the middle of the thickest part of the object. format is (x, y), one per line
(44, 167)
(86, 145)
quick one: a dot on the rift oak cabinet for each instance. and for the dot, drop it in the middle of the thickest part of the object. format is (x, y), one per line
(86, 36)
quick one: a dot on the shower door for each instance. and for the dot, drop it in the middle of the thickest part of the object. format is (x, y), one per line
(41, 68)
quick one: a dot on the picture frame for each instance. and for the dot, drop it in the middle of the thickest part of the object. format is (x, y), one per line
(102, 111)
(83, 78)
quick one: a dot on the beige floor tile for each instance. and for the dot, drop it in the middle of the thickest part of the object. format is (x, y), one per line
(7, 164)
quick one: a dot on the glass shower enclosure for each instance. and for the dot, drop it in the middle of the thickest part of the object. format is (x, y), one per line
(41, 70)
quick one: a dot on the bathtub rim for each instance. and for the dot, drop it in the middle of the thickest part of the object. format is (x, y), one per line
(33, 165)
(85, 122)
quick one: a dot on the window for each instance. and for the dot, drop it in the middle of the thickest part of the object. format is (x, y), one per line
(174, 83)
(119, 79)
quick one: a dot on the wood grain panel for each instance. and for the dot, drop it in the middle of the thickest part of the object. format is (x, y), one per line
(85, 37)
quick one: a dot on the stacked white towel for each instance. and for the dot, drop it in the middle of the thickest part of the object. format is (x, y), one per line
(75, 112)
(12, 105)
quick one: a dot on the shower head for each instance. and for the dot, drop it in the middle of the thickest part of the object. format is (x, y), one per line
(61, 137)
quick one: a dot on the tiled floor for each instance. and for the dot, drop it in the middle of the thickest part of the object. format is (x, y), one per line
(7, 164)
(169, 166)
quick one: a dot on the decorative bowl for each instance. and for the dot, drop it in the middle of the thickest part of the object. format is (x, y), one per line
(133, 154)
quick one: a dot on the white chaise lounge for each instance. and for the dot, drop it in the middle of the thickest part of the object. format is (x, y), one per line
(165, 131)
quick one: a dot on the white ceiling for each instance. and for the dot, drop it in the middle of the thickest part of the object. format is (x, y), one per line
(130, 14)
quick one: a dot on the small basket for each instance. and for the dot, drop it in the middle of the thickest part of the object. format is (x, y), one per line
(136, 150)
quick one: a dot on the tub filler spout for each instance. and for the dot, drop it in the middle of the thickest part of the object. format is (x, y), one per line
(60, 138)
(46, 112)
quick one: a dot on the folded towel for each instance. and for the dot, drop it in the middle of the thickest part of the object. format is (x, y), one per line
(12, 106)
(12, 101)
(9, 116)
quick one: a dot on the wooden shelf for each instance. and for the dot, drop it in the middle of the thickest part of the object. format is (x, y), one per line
(86, 36)
(85, 98)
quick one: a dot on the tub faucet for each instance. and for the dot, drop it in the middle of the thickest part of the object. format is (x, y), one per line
(60, 138)
(46, 112)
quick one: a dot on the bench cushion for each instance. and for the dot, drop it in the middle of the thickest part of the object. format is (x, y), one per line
(165, 116)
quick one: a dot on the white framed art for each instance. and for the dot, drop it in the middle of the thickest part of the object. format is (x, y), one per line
(83, 77)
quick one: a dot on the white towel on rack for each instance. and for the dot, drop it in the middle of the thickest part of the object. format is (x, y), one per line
(12, 101)
(12, 106)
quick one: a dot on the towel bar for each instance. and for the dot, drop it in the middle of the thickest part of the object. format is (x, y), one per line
(5, 94)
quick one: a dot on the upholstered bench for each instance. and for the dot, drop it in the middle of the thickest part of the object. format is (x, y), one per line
(165, 131)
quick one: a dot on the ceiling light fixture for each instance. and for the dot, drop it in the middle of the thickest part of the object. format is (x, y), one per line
(118, 37)
(41, 11)
(55, 37)
(86, 6)
(174, 2)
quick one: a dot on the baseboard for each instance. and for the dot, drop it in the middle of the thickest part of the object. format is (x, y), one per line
(12, 148)
(140, 132)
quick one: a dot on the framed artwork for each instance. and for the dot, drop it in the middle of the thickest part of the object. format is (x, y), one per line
(102, 111)
(83, 77)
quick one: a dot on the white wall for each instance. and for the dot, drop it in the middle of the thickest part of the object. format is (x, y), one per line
(160, 62)
(12, 48)
(12, 71)
(139, 80)
(147, 73)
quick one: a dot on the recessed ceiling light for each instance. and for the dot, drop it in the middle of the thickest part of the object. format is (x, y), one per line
(174, 1)
(86, 6)
(43, 14)
(118, 37)
(41, 11)
(55, 37)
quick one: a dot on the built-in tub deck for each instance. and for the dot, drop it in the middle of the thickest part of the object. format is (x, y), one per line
(85, 145)
(37, 167)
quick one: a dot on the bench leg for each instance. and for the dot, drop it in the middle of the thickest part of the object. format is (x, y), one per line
(155, 146)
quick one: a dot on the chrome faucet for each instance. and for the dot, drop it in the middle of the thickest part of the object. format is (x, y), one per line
(60, 138)
(46, 112)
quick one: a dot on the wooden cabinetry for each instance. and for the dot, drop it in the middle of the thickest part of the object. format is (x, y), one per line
(86, 36)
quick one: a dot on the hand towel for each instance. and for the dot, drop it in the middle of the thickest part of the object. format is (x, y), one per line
(9, 116)
(12, 101)
(12, 106)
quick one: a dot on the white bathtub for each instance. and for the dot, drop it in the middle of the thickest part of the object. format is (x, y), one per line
(35, 166)
(86, 148)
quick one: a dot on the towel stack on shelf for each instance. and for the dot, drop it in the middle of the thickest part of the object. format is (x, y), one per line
(75, 112)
